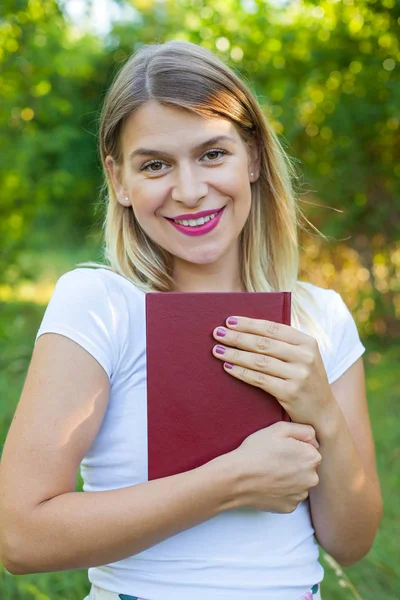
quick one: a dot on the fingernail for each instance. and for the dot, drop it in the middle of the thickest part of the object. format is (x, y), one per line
(228, 365)
(221, 332)
(219, 349)
(233, 321)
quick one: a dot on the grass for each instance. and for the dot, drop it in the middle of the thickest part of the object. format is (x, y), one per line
(376, 576)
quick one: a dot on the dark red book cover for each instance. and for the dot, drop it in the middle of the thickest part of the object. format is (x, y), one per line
(195, 410)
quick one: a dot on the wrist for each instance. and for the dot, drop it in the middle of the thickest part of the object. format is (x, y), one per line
(231, 481)
(330, 423)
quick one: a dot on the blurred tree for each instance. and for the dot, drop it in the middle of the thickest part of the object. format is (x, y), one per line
(326, 73)
(50, 83)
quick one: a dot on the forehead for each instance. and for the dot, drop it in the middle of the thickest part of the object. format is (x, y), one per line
(154, 124)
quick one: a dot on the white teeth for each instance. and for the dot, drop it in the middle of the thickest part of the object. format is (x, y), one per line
(197, 222)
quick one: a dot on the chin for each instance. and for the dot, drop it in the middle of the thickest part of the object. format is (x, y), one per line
(204, 258)
(197, 261)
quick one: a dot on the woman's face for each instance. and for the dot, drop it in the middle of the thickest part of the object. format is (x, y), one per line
(178, 165)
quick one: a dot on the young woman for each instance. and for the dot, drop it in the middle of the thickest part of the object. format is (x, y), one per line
(199, 199)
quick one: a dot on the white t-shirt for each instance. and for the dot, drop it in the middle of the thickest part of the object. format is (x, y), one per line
(238, 554)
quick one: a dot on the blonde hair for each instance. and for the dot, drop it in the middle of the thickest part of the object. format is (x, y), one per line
(188, 76)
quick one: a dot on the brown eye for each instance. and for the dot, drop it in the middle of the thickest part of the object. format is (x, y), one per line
(155, 166)
(214, 155)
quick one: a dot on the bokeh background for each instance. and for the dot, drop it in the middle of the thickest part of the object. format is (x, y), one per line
(327, 75)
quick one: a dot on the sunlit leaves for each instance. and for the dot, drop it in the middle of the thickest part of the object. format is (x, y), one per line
(326, 73)
(49, 95)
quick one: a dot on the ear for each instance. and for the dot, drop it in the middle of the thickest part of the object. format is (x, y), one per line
(115, 175)
(254, 161)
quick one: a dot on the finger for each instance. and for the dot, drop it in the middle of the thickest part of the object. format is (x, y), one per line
(273, 385)
(259, 344)
(314, 443)
(304, 496)
(302, 433)
(297, 431)
(277, 331)
(254, 362)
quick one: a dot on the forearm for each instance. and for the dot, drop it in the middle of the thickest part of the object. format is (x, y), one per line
(346, 506)
(81, 530)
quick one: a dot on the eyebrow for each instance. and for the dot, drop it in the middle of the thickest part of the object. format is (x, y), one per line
(210, 142)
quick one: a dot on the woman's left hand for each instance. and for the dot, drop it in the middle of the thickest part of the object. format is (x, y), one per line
(280, 360)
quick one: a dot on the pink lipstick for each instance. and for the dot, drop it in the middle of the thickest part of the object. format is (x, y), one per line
(203, 213)
(198, 229)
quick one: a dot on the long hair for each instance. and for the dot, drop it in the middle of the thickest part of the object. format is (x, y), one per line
(185, 75)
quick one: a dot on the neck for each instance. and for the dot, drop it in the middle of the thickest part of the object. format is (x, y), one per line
(212, 277)
(209, 284)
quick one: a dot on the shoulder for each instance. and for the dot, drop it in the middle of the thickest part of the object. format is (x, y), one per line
(96, 296)
(327, 303)
(90, 274)
(317, 301)
(319, 294)
(327, 308)
(97, 279)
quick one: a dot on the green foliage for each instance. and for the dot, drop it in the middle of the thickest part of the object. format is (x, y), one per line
(50, 87)
(326, 73)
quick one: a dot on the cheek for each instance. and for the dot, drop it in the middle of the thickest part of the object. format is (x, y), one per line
(147, 198)
(238, 188)
(234, 181)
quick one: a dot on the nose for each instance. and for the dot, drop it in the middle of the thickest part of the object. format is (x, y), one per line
(189, 186)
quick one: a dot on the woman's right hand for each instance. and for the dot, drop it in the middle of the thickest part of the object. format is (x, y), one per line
(277, 466)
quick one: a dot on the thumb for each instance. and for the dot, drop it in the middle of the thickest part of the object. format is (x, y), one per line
(302, 433)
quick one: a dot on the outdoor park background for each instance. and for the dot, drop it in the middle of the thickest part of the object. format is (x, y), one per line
(327, 74)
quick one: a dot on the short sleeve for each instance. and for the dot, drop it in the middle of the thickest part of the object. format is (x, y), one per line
(346, 343)
(80, 309)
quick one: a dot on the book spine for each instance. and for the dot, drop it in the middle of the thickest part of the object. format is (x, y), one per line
(287, 307)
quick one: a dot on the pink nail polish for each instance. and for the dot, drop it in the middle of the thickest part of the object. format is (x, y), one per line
(228, 365)
(219, 349)
(221, 332)
(233, 321)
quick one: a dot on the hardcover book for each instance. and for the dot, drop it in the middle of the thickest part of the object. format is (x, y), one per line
(195, 410)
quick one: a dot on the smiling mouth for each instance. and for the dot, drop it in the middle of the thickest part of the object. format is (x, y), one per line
(196, 227)
(196, 222)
